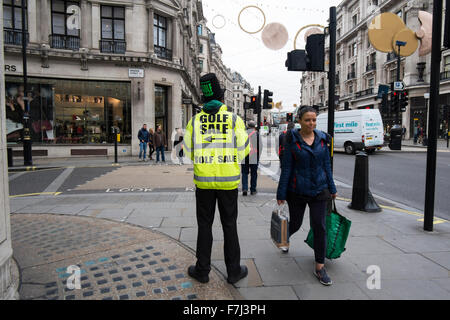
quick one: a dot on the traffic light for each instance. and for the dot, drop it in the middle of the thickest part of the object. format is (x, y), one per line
(251, 104)
(403, 100)
(315, 52)
(267, 99)
(394, 99)
(311, 59)
(384, 104)
(289, 117)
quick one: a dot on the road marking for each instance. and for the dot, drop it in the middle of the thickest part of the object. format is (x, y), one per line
(412, 213)
(15, 176)
(36, 194)
(58, 182)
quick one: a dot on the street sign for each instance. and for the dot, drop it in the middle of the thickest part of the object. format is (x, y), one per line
(382, 89)
(136, 73)
(399, 86)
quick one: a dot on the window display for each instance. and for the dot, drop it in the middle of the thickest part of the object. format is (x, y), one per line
(69, 111)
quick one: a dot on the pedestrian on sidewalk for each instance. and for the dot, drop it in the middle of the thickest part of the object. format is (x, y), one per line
(178, 145)
(403, 132)
(160, 143)
(151, 145)
(282, 141)
(251, 162)
(216, 141)
(143, 137)
(306, 179)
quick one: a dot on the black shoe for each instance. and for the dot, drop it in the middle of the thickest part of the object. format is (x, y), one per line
(241, 275)
(192, 271)
(285, 250)
(254, 192)
(244, 193)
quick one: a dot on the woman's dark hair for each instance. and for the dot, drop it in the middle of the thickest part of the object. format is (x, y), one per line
(305, 109)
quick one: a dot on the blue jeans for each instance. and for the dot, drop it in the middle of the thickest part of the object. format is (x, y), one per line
(158, 150)
(246, 169)
(143, 149)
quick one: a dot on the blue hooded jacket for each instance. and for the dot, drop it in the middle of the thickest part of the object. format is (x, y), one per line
(306, 170)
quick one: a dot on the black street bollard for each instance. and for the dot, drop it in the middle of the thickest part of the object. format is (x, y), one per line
(10, 158)
(115, 145)
(362, 198)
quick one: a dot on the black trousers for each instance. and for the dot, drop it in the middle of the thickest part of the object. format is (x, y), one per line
(228, 209)
(317, 216)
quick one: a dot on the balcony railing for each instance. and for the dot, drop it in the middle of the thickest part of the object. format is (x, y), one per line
(351, 75)
(113, 46)
(370, 67)
(64, 42)
(364, 93)
(14, 37)
(163, 53)
(445, 75)
(391, 56)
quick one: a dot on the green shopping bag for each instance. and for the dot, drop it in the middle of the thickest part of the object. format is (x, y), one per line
(338, 228)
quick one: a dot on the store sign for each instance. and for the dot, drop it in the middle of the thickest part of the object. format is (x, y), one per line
(136, 73)
(10, 67)
(187, 101)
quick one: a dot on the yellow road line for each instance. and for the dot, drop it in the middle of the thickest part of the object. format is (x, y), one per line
(412, 213)
(36, 194)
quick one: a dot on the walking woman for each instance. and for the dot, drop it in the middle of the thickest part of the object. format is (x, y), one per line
(306, 179)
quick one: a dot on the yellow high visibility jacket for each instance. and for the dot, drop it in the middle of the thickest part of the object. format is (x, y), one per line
(217, 144)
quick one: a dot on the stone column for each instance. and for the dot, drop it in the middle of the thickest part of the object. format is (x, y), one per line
(8, 278)
(86, 25)
(45, 20)
(139, 28)
(32, 16)
(150, 45)
(175, 39)
(130, 24)
(96, 27)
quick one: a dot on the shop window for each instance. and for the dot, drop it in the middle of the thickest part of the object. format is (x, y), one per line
(62, 36)
(69, 111)
(12, 22)
(113, 30)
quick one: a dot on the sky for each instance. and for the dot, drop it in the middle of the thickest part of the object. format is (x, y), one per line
(247, 54)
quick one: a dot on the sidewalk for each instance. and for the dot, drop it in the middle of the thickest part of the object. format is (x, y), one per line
(139, 247)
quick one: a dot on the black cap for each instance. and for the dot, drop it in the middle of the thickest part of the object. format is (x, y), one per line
(211, 88)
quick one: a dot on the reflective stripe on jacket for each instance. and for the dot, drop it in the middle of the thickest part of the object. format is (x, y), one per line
(217, 144)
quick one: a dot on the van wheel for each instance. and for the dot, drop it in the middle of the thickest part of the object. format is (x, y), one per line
(349, 148)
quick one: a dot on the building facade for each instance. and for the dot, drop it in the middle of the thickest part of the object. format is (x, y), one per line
(360, 69)
(9, 276)
(94, 65)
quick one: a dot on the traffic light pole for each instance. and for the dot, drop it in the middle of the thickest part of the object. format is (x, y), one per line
(27, 154)
(430, 185)
(332, 79)
(397, 113)
(258, 105)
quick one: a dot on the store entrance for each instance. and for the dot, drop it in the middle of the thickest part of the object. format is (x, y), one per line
(161, 109)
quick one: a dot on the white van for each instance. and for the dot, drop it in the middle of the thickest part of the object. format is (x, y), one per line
(355, 129)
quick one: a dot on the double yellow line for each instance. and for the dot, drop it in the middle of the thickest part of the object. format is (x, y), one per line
(412, 213)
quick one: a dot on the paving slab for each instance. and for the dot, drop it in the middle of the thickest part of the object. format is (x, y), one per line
(117, 261)
(441, 258)
(338, 291)
(401, 266)
(412, 289)
(276, 271)
(269, 293)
